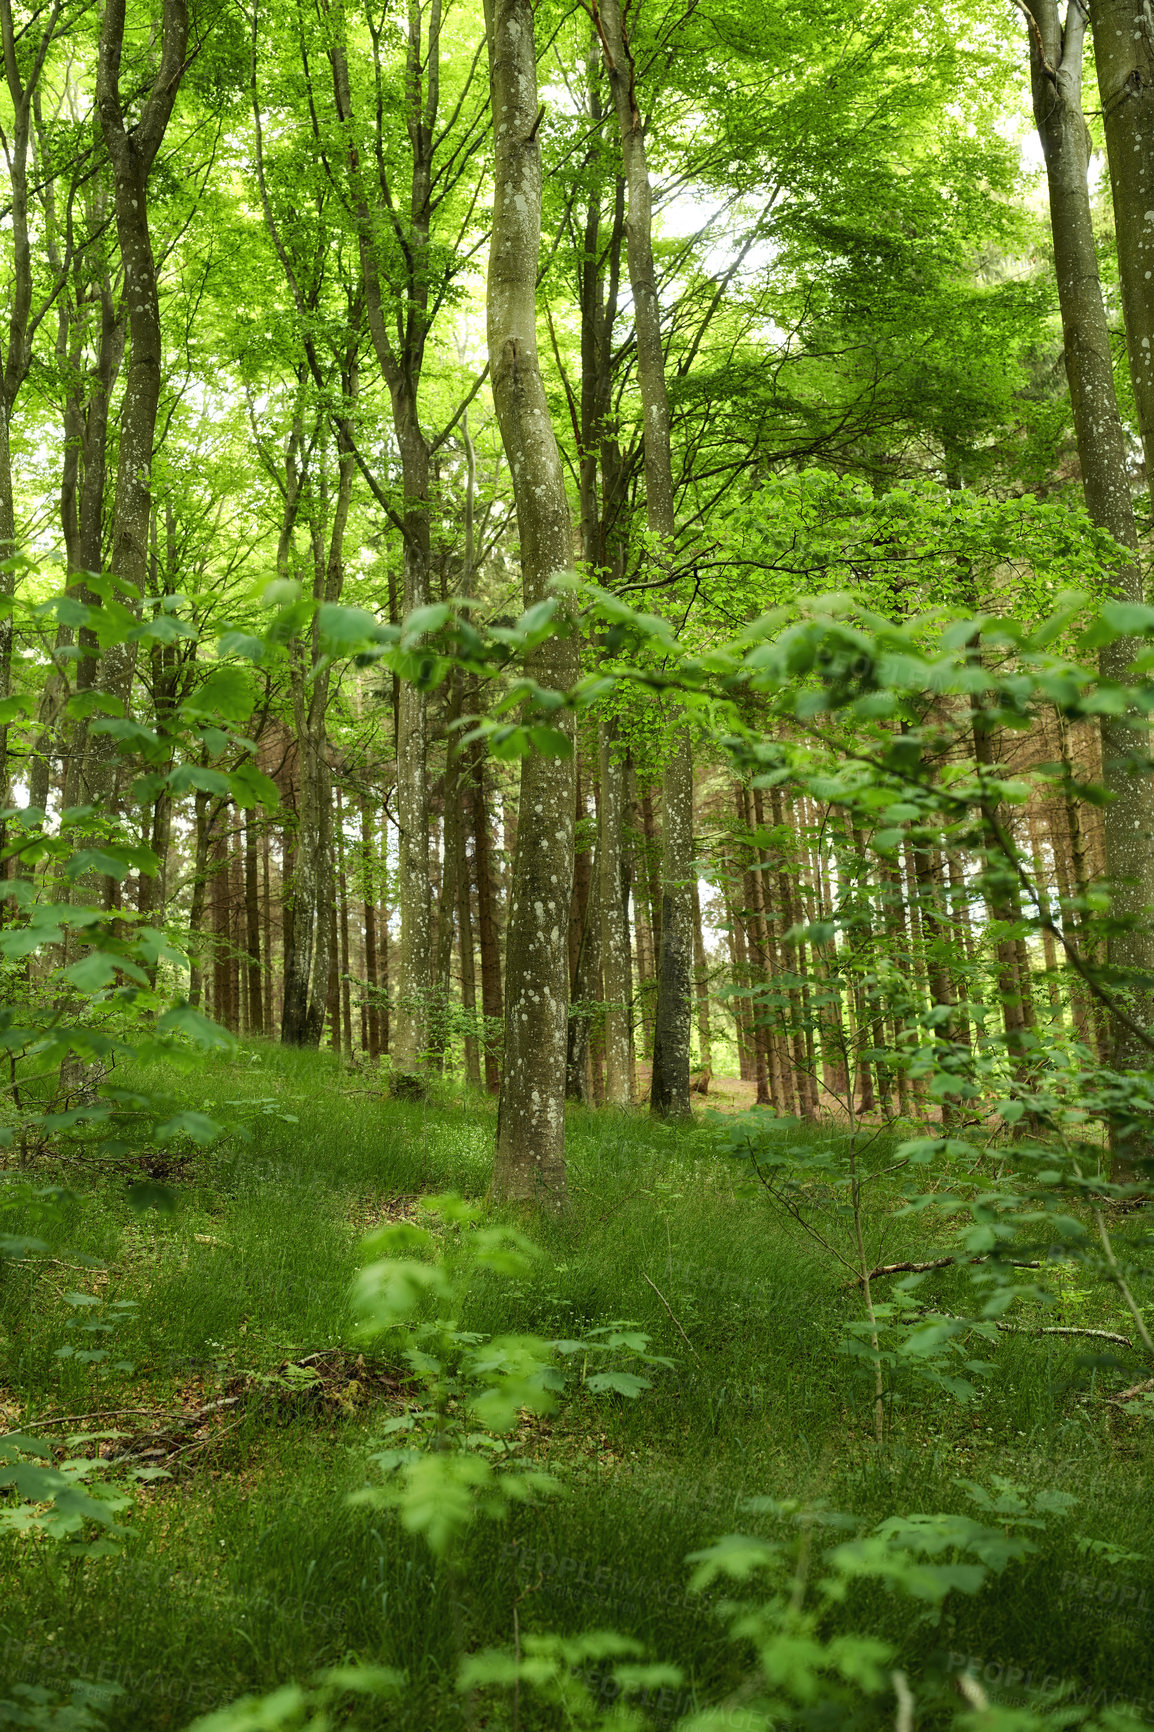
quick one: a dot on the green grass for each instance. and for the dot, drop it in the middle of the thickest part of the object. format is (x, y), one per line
(250, 1567)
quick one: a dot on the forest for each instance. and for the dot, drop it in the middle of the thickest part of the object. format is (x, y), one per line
(576, 865)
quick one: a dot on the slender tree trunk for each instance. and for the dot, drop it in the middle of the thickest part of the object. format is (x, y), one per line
(343, 889)
(669, 1092)
(1124, 57)
(704, 1040)
(368, 895)
(196, 921)
(467, 956)
(488, 938)
(613, 904)
(530, 1158)
(132, 150)
(252, 928)
(586, 972)
(1123, 43)
(755, 943)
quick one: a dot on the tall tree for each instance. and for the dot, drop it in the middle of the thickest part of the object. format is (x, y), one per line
(1056, 58)
(530, 1158)
(132, 147)
(669, 1092)
(1124, 55)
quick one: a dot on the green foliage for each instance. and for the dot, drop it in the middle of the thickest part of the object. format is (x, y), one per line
(473, 1390)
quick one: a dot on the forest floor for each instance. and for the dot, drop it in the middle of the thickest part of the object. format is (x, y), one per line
(249, 1566)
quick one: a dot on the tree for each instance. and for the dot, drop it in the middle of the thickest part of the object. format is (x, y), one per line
(530, 1157)
(1056, 47)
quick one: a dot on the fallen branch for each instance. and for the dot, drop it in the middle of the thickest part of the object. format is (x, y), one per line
(1046, 1329)
(940, 1263)
(1135, 1389)
(77, 1418)
(677, 1325)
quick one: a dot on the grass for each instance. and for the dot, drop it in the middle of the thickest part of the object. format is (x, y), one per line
(249, 1567)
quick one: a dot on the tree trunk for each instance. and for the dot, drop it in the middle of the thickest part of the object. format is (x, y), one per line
(1124, 56)
(704, 1040)
(530, 1159)
(488, 938)
(132, 151)
(368, 896)
(1122, 40)
(256, 1024)
(613, 900)
(669, 1091)
(586, 973)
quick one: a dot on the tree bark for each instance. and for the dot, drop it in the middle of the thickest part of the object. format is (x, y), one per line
(1056, 78)
(669, 1090)
(488, 938)
(256, 1022)
(530, 1158)
(132, 149)
(1124, 56)
(613, 909)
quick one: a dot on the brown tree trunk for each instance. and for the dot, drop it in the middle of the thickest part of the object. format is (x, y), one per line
(488, 939)
(368, 897)
(256, 1023)
(669, 1092)
(613, 903)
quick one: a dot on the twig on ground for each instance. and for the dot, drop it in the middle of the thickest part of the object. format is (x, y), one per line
(1135, 1389)
(669, 1308)
(940, 1263)
(1048, 1329)
(76, 1418)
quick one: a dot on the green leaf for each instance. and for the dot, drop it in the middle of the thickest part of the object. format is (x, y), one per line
(189, 776)
(184, 1019)
(147, 1194)
(82, 705)
(240, 643)
(93, 972)
(423, 620)
(251, 787)
(619, 1382)
(227, 692)
(550, 742)
(187, 1123)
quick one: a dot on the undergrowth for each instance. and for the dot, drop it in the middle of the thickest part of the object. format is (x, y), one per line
(247, 1566)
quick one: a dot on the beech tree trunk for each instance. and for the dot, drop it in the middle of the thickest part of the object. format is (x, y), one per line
(669, 1089)
(1056, 76)
(132, 149)
(1124, 56)
(530, 1158)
